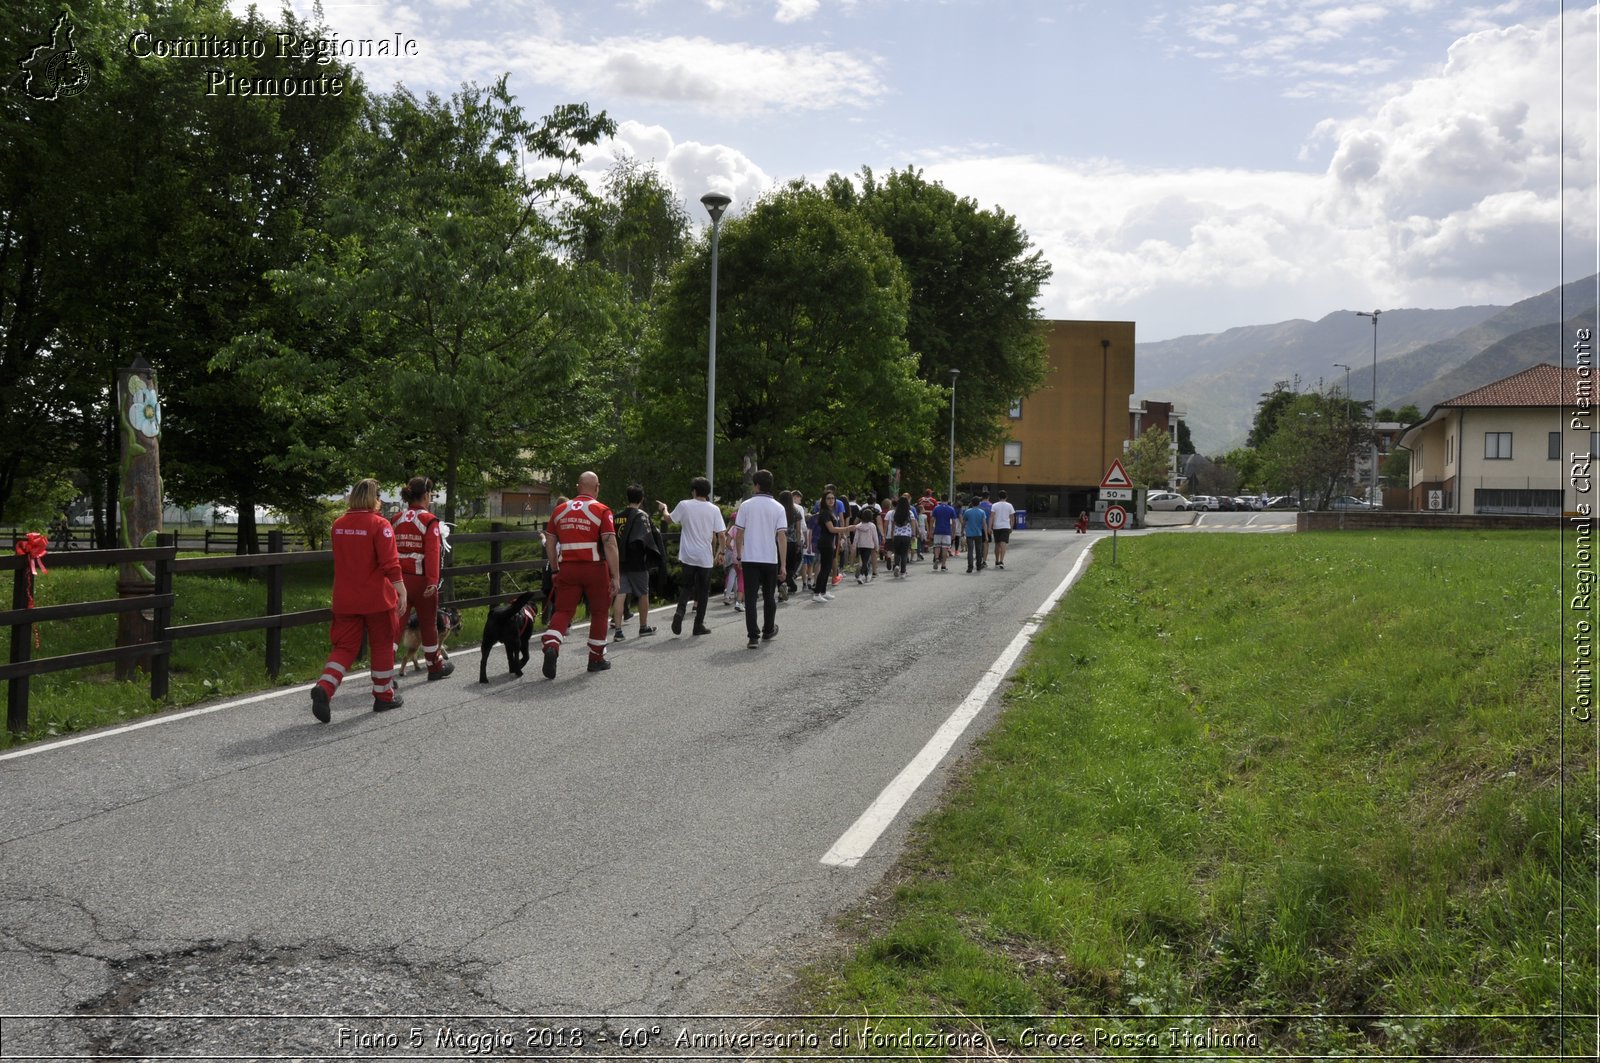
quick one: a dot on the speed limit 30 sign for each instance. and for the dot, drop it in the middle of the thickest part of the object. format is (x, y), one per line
(1116, 518)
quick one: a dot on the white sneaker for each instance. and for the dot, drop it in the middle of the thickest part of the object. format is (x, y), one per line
(827, 597)
(818, 598)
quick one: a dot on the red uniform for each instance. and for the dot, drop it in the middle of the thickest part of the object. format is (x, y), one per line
(926, 504)
(365, 567)
(578, 527)
(418, 536)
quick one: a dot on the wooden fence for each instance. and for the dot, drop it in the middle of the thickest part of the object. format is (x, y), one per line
(164, 562)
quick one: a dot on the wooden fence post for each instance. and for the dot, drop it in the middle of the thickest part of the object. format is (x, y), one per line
(274, 605)
(161, 662)
(496, 550)
(21, 650)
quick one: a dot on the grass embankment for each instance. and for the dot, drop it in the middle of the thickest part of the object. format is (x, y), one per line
(1264, 776)
(203, 669)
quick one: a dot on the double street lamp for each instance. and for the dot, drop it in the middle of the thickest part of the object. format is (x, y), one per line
(715, 203)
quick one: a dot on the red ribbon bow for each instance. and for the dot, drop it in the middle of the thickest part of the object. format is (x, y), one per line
(34, 546)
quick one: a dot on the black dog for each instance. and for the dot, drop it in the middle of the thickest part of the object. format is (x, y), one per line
(511, 625)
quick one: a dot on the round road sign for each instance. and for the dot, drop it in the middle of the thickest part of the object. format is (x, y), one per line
(1116, 517)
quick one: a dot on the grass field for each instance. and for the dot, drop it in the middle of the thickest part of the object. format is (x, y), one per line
(1313, 782)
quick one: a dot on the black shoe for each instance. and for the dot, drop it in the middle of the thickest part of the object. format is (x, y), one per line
(702, 630)
(550, 655)
(755, 641)
(444, 670)
(618, 635)
(319, 704)
(999, 564)
(393, 701)
(677, 623)
(768, 636)
(600, 665)
(646, 632)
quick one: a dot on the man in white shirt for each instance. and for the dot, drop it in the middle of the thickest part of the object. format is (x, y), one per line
(1002, 515)
(763, 530)
(698, 546)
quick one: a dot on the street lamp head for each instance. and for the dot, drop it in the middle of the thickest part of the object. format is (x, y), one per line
(715, 203)
(1373, 315)
(953, 374)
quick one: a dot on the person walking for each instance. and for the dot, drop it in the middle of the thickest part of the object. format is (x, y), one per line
(762, 528)
(639, 550)
(902, 534)
(944, 520)
(699, 541)
(866, 546)
(975, 527)
(1002, 515)
(586, 569)
(369, 600)
(830, 529)
(419, 538)
(796, 534)
(983, 552)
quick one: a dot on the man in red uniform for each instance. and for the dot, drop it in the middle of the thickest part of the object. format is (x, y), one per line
(418, 536)
(581, 545)
(368, 598)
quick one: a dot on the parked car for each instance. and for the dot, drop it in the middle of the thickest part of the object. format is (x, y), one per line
(1349, 502)
(1168, 500)
(1226, 503)
(1251, 502)
(1203, 502)
(1283, 502)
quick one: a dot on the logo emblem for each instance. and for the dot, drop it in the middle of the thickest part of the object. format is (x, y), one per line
(55, 70)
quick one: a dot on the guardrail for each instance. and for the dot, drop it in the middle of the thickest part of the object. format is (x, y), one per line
(164, 563)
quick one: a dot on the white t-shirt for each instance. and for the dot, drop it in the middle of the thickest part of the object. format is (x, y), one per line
(700, 521)
(1002, 513)
(759, 520)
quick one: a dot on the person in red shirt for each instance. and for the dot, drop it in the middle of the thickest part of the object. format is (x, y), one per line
(369, 599)
(581, 545)
(419, 538)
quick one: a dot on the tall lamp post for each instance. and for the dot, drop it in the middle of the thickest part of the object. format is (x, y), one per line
(715, 203)
(951, 497)
(1373, 497)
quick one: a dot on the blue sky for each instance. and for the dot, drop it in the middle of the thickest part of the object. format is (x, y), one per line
(1188, 166)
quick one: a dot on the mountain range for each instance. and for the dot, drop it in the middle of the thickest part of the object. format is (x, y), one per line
(1423, 357)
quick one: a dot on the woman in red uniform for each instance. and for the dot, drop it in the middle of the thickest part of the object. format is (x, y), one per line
(419, 537)
(368, 599)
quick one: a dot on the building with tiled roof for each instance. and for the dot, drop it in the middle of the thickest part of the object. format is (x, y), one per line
(1518, 445)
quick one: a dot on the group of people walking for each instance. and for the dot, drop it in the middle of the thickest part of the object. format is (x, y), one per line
(769, 546)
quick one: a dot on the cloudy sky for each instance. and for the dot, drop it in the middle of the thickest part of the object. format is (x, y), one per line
(1188, 166)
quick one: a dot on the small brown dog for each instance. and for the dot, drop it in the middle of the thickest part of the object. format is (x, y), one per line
(448, 621)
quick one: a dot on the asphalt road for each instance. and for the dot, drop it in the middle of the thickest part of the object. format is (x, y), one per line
(644, 841)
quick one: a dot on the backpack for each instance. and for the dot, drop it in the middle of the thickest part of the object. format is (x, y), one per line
(642, 546)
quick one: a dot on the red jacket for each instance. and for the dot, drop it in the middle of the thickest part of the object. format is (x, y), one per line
(416, 537)
(365, 564)
(579, 525)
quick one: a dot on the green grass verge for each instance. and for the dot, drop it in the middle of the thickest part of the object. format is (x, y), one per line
(202, 669)
(1257, 776)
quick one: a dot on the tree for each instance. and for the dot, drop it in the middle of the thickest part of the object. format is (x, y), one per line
(461, 324)
(1149, 458)
(974, 290)
(1311, 448)
(814, 378)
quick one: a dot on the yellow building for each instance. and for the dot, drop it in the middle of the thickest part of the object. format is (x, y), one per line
(1061, 439)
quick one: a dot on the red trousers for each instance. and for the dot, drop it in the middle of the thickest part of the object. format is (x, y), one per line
(427, 607)
(588, 581)
(345, 633)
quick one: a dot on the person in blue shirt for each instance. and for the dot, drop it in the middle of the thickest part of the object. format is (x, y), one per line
(944, 519)
(975, 525)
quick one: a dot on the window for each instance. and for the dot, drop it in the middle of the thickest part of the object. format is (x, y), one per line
(1523, 500)
(1497, 445)
(1555, 446)
(1016, 409)
(1013, 454)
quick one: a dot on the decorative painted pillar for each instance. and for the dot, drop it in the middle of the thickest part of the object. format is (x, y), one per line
(140, 503)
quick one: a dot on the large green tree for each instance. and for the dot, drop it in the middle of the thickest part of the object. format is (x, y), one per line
(974, 291)
(1311, 446)
(462, 323)
(814, 377)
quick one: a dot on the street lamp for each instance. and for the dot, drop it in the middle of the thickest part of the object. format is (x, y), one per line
(715, 203)
(1373, 498)
(951, 497)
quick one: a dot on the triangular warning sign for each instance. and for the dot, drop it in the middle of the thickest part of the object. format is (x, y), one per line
(1115, 477)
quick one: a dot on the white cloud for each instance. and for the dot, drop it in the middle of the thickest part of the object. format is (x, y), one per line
(691, 167)
(1453, 191)
(797, 10)
(731, 78)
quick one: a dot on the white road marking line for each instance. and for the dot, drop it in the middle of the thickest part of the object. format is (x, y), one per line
(46, 747)
(855, 842)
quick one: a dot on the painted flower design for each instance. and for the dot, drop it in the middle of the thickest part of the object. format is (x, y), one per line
(144, 409)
